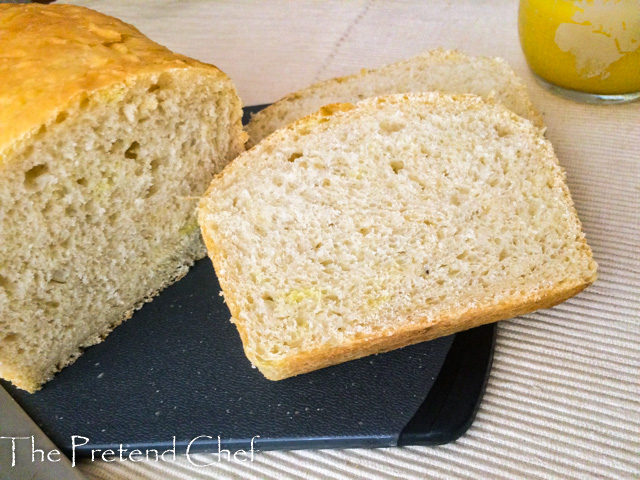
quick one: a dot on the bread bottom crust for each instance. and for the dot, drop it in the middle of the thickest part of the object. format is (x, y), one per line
(419, 331)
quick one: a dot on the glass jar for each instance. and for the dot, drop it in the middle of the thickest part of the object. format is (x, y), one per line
(587, 50)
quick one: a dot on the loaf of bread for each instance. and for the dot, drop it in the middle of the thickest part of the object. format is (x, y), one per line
(437, 70)
(360, 229)
(107, 140)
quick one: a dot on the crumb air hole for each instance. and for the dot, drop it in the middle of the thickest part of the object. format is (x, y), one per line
(132, 151)
(396, 166)
(31, 176)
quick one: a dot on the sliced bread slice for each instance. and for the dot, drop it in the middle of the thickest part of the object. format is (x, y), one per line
(365, 228)
(437, 70)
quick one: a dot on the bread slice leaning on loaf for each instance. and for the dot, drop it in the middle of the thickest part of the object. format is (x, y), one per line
(364, 228)
(438, 70)
(107, 140)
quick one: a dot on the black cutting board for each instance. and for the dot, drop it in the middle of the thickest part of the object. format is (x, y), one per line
(176, 369)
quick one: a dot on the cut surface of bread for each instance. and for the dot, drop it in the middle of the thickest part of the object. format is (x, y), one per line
(436, 70)
(365, 228)
(106, 142)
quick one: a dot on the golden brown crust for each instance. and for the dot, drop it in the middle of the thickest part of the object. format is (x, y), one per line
(50, 55)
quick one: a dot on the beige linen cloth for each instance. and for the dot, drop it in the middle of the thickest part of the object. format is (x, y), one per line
(563, 399)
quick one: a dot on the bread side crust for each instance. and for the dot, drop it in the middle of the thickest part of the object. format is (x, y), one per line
(435, 56)
(74, 51)
(420, 329)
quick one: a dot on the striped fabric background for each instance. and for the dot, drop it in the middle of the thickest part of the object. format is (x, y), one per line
(563, 400)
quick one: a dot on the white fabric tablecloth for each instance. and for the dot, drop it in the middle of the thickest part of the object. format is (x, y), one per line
(563, 400)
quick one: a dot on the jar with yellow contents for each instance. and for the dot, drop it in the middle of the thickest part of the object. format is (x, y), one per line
(587, 50)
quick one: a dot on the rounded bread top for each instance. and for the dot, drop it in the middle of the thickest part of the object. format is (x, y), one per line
(50, 55)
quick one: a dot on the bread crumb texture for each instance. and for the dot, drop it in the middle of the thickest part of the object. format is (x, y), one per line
(364, 228)
(98, 186)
